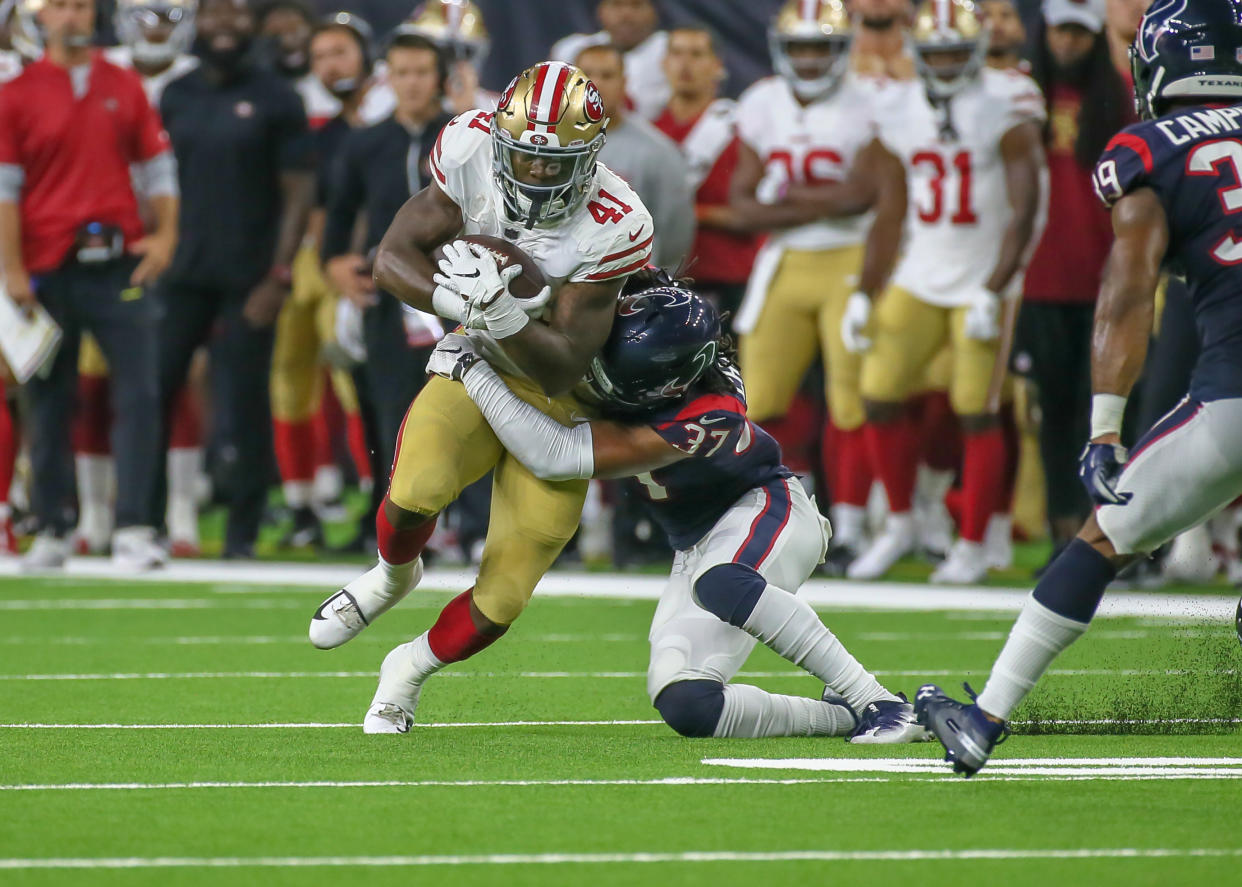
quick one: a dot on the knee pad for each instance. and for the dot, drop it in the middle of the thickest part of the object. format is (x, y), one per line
(729, 592)
(692, 708)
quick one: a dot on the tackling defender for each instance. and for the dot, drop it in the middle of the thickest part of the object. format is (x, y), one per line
(747, 535)
(528, 174)
(1174, 182)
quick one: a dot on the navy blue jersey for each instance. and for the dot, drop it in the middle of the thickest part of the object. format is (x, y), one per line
(729, 455)
(1192, 160)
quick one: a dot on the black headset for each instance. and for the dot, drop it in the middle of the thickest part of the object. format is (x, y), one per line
(359, 29)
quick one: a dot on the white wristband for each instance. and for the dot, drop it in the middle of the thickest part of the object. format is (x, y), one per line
(505, 317)
(1107, 411)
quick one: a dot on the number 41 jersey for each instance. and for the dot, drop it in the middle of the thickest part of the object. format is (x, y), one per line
(1192, 160)
(728, 456)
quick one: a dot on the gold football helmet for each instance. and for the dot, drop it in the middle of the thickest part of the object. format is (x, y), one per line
(547, 131)
(156, 31)
(456, 26)
(950, 45)
(810, 44)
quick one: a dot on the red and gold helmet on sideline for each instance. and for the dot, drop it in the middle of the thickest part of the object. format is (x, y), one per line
(810, 44)
(456, 26)
(25, 31)
(949, 27)
(548, 129)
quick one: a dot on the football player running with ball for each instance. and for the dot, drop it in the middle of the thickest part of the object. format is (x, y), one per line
(1174, 182)
(528, 174)
(746, 534)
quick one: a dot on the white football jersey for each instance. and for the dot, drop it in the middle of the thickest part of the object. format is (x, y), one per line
(154, 85)
(645, 84)
(321, 105)
(10, 65)
(608, 236)
(815, 143)
(958, 199)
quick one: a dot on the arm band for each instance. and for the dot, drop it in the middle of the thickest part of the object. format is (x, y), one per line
(1107, 411)
(547, 448)
(157, 177)
(12, 177)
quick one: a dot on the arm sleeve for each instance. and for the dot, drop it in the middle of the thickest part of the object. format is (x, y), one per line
(149, 136)
(12, 177)
(346, 192)
(550, 450)
(157, 177)
(12, 173)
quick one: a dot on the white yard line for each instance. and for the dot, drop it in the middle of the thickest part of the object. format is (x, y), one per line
(316, 725)
(708, 856)
(572, 675)
(265, 578)
(1021, 768)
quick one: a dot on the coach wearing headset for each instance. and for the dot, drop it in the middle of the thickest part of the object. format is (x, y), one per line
(378, 169)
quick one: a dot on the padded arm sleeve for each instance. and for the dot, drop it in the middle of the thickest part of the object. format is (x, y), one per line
(157, 177)
(547, 448)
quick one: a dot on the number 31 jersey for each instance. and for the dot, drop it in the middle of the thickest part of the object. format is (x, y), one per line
(1192, 160)
(608, 236)
(955, 177)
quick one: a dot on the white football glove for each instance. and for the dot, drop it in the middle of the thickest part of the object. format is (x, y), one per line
(773, 186)
(982, 321)
(452, 358)
(854, 321)
(458, 272)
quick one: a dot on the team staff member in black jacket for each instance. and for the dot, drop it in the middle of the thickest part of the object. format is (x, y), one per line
(379, 168)
(240, 136)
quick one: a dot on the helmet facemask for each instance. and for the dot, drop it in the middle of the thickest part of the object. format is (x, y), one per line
(563, 174)
(813, 66)
(137, 22)
(945, 80)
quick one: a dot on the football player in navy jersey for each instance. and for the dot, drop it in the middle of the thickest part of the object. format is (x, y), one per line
(1174, 183)
(746, 534)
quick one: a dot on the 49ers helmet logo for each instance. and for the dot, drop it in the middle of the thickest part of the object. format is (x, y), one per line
(507, 96)
(593, 104)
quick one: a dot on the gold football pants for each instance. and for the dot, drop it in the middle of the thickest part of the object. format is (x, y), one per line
(444, 445)
(801, 318)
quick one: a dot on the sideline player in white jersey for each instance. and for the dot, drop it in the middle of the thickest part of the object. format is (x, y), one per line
(969, 139)
(155, 40)
(458, 29)
(528, 174)
(801, 132)
(747, 535)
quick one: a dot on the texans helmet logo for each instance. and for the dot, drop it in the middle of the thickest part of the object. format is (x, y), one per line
(593, 104)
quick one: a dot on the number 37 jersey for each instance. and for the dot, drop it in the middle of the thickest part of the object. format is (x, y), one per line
(955, 176)
(1192, 160)
(608, 236)
(728, 455)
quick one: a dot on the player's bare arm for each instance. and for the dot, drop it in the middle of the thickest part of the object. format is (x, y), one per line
(882, 173)
(750, 213)
(556, 354)
(403, 264)
(1126, 309)
(1022, 153)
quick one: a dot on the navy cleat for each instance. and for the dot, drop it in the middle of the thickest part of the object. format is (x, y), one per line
(1237, 622)
(888, 722)
(967, 734)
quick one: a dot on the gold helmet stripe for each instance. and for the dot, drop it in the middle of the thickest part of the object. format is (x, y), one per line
(548, 95)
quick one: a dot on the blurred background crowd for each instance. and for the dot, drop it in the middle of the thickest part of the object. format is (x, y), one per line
(229, 374)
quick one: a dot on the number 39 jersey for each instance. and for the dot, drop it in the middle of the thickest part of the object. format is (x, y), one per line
(809, 144)
(608, 236)
(728, 456)
(1192, 160)
(955, 175)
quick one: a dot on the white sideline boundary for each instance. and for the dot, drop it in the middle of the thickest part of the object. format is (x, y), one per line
(158, 862)
(822, 593)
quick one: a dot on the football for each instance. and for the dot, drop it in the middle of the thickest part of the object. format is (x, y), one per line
(527, 284)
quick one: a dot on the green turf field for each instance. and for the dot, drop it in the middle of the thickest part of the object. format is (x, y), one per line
(538, 762)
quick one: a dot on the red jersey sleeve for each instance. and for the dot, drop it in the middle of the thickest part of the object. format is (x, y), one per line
(10, 151)
(148, 137)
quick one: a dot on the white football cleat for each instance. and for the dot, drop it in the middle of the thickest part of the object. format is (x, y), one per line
(890, 546)
(967, 564)
(47, 552)
(998, 542)
(344, 615)
(396, 698)
(135, 549)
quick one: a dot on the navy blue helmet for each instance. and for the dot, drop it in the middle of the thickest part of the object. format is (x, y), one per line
(1189, 50)
(663, 340)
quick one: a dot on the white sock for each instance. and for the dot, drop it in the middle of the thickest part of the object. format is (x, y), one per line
(849, 524)
(329, 484)
(96, 476)
(297, 493)
(931, 485)
(750, 713)
(184, 466)
(791, 628)
(423, 661)
(1034, 641)
(374, 589)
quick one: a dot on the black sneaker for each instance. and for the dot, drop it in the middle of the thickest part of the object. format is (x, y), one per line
(888, 722)
(837, 560)
(307, 531)
(967, 734)
(1237, 622)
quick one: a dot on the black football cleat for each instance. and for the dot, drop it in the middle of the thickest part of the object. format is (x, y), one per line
(967, 734)
(1237, 621)
(888, 722)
